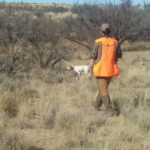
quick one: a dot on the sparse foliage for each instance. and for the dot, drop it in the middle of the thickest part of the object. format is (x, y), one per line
(126, 22)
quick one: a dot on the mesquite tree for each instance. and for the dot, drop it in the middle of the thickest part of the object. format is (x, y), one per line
(126, 22)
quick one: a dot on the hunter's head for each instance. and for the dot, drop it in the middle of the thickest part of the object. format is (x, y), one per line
(105, 29)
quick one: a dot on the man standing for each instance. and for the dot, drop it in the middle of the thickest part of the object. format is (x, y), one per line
(105, 53)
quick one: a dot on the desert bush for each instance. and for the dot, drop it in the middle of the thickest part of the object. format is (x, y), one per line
(99, 121)
(44, 42)
(11, 62)
(10, 107)
(31, 93)
(20, 34)
(70, 143)
(34, 148)
(11, 84)
(60, 78)
(71, 76)
(76, 140)
(13, 141)
(54, 77)
(22, 122)
(50, 115)
(146, 99)
(13, 35)
(127, 101)
(129, 134)
(66, 120)
(69, 118)
(51, 77)
(2, 123)
(10, 102)
(60, 74)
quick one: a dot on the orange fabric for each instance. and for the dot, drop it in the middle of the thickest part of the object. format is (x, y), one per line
(107, 66)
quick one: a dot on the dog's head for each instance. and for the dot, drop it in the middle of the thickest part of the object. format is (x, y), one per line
(70, 68)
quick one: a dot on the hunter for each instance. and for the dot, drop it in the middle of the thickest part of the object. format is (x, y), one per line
(105, 54)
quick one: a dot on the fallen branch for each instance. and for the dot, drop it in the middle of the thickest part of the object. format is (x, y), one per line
(56, 61)
(86, 46)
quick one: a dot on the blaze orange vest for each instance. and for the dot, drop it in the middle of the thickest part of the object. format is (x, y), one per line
(107, 66)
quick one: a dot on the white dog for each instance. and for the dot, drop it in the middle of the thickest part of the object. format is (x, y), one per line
(79, 69)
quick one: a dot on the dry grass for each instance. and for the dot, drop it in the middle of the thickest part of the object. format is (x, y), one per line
(136, 46)
(51, 110)
(44, 113)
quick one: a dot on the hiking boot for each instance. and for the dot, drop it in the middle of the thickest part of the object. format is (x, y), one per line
(97, 104)
(109, 112)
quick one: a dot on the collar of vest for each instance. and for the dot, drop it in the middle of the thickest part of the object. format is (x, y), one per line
(106, 36)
